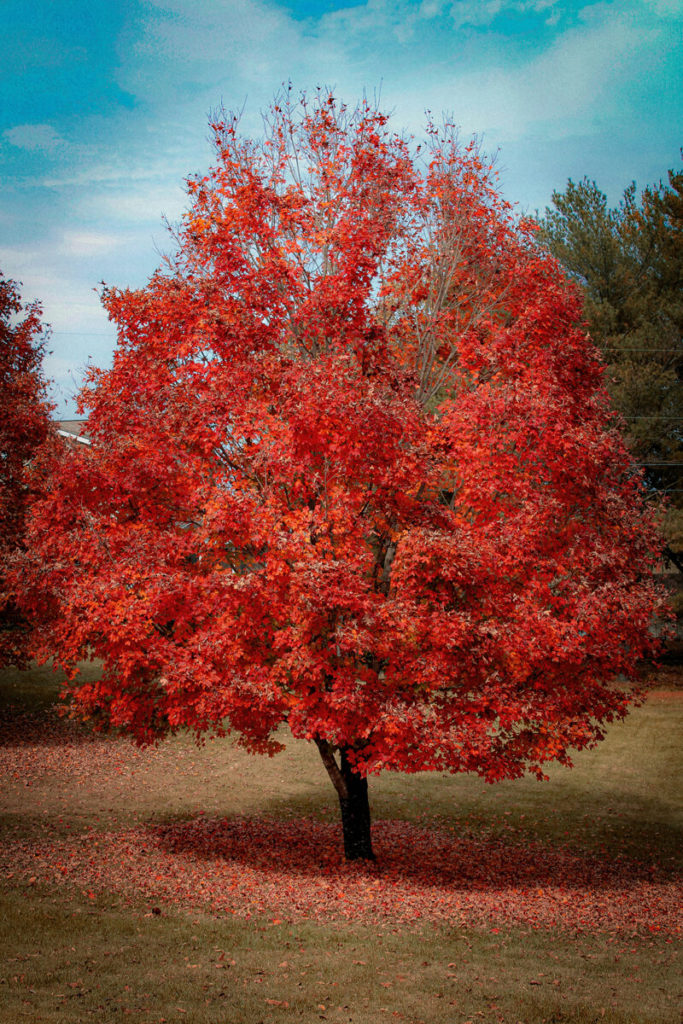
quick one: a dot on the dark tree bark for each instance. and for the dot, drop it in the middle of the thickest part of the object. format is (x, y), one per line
(352, 790)
(355, 812)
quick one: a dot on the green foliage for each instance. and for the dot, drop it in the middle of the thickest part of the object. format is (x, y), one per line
(629, 262)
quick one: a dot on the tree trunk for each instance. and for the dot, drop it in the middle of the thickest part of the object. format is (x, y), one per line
(352, 790)
(355, 812)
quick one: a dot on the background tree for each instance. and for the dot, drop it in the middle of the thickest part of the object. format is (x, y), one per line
(629, 263)
(353, 470)
(24, 426)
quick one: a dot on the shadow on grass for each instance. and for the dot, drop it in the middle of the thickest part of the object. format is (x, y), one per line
(644, 835)
(32, 711)
(42, 727)
(420, 855)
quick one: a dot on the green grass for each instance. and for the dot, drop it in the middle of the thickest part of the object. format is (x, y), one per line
(68, 958)
(71, 960)
(74, 960)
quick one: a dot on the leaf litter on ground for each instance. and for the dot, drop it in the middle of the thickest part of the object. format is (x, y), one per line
(293, 868)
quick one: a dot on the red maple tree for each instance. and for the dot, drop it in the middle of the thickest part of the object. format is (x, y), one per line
(24, 426)
(353, 470)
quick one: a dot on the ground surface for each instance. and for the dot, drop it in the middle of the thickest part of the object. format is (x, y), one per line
(204, 884)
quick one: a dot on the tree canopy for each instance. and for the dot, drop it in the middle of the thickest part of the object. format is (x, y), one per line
(629, 262)
(353, 470)
(24, 426)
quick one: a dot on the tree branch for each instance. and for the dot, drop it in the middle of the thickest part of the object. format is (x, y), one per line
(333, 769)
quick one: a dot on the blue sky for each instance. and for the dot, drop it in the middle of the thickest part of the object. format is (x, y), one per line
(105, 106)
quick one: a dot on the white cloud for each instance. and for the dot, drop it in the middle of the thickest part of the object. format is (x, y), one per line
(667, 8)
(184, 56)
(403, 18)
(40, 138)
(59, 287)
(571, 87)
(88, 243)
(81, 331)
(145, 203)
(483, 12)
(108, 173)
(182, 49)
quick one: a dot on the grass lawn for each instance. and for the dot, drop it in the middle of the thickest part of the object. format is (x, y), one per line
(206, 885)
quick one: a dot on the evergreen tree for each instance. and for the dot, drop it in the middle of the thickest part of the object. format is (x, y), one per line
(629, 263)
